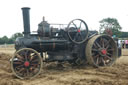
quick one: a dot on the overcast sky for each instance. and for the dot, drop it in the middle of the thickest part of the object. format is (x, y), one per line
(61, 11)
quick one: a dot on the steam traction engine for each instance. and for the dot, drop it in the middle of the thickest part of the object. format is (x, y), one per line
(74, 43)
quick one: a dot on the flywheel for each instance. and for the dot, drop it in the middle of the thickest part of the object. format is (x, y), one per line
(77, 31)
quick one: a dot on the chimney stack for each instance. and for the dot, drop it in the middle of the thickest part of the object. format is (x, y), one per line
(26, 21)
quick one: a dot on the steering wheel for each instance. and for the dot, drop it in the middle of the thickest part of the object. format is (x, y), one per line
(77, 31)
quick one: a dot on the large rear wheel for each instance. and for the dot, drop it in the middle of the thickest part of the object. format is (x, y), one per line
(101, 50)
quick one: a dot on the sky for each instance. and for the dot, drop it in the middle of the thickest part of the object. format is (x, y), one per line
(60, 11)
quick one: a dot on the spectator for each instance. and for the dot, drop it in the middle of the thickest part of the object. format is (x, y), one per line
(123, 44)
(119, 43)
(126, 43)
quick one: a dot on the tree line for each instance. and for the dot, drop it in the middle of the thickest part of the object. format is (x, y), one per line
(11, 40)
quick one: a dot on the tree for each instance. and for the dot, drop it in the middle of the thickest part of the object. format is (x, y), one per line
(1, 41)
(4, 40)
(124, 35)
(11, 40)
(16, 35)
(110, 24)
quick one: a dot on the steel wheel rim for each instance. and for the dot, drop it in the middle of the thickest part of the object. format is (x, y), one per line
(26, 63)
(101, 50)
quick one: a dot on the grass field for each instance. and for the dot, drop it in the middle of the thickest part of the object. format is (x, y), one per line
(9, 49)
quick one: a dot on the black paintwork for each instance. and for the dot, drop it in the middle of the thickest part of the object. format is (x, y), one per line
(54, 41)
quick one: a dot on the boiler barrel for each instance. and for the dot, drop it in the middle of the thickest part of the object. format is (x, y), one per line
(50, 45)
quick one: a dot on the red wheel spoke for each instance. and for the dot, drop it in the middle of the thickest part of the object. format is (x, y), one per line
(26, 56)
(103, 61)
(109, 54)
(28, 72)
(108, 57)
(29, 56)
(20, 57)
(21, 70)
(98, 44)
(110, 50)
(95, 49)
(97, 61)
(36, 60)
(97, 55)
(19, 66)
(17, 62)
(107, 47)
(100, 60)
(21, 61)
(95, 45)
(22, 73)
(102, 42)
(35, 65)
(107, 43)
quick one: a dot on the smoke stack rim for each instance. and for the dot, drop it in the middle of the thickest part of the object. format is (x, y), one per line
(25, 8)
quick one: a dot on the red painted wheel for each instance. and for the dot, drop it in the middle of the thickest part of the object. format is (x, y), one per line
(26, 63)
(101, 50)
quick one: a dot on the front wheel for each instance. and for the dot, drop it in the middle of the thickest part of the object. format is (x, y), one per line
(26, 63)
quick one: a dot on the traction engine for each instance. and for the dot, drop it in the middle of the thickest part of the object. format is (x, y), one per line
(73, 43)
